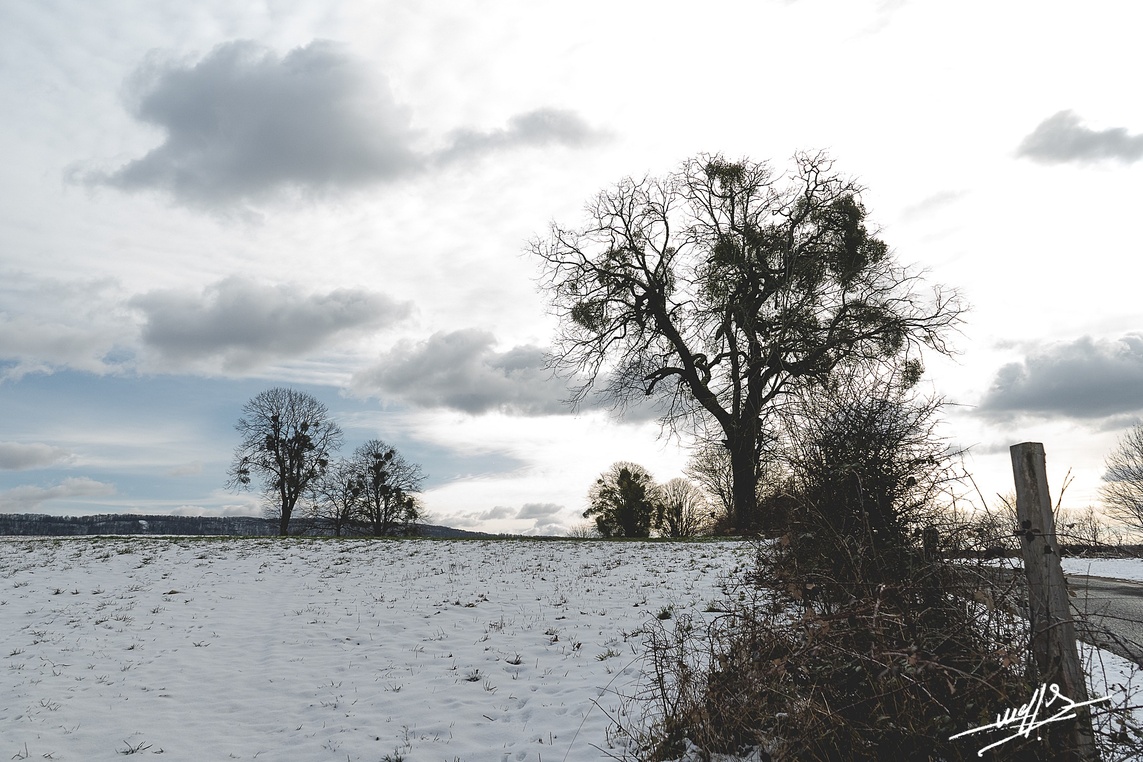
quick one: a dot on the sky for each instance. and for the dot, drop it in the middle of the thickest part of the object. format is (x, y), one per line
(204, 200)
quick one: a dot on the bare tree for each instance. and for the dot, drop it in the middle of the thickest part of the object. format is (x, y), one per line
(1122, 489)
(387, 484)
(584, 530)
(711, 469)
(682, 509)
(719, 287)
(1083, 526)
(288, 439)
(336, 498)
(709, 466)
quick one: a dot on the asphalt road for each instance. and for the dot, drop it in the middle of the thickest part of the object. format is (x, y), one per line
(1107, 612)
(1113, 609)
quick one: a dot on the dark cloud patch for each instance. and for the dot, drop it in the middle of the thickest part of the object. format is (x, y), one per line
(1084, 379)
(461, 370)
(247, 124)
(1063, 138)
(542, 127)
(539, 511)
(245, 324)
(16, 456)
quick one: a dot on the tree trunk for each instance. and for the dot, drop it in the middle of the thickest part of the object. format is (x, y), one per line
(744, 483)
(284, 514)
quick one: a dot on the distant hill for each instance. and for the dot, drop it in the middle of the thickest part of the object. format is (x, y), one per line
(32, 524)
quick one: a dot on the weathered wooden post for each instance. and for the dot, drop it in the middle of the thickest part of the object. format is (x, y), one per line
(1053, 635)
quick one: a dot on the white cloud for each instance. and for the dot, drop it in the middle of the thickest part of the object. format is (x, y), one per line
(47, 323)
(193, 468)
(29, 497)
(930, 204)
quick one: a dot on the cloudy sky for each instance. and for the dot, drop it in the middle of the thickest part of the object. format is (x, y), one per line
(203, 200)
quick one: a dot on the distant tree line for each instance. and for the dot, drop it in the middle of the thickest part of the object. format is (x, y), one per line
(28, 524)
(40, 525)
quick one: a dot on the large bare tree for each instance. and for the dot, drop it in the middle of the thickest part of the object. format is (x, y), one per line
(288, 438)
(722, 285)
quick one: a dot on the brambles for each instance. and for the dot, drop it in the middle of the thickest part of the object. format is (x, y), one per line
(867, 470)
(845, 633)
(889, 676)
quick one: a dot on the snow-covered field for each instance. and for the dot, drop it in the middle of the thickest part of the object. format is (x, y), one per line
(321, 650)
(344, 650)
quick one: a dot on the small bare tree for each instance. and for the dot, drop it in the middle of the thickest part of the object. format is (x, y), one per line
(1122, 489)
(336, 498)
(388, 483)
(682, 510)
(585, 530)
(709, 467)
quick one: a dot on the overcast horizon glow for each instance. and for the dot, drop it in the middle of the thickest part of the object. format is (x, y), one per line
(204, 201)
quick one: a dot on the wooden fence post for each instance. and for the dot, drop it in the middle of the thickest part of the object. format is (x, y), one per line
(1053, 635)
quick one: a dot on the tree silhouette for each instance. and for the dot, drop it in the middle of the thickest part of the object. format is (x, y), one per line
(288, 439)
(623, 501)
(719, 288)
(682, 510)
(387, 486)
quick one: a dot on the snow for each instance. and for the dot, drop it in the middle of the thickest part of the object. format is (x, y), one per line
(331, 650)
(1115, 568)
(434, 650)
